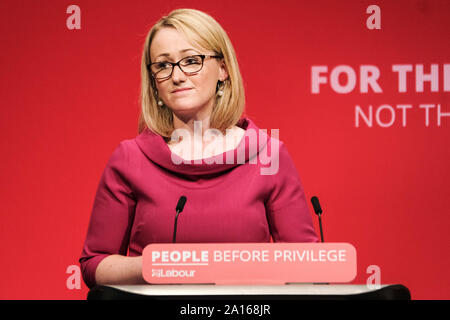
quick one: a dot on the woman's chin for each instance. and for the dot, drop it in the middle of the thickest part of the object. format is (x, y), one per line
(185, 109)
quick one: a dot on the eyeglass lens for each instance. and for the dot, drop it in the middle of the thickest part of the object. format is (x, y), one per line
(189, 64)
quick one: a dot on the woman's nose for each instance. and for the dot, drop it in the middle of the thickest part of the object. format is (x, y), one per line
(178, 75)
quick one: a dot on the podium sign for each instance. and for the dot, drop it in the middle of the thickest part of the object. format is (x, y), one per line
(249, 263)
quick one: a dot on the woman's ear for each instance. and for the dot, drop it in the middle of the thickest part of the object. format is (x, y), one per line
(223, 73)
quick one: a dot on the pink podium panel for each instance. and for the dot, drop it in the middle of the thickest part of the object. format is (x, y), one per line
(249, 263)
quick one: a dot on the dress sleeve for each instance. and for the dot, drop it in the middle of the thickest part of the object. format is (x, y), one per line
(112, 216)
(287, 211)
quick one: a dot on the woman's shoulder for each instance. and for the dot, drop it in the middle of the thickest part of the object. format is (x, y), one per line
(123, 149)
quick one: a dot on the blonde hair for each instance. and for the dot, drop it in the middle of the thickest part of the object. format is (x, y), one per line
(202, 30)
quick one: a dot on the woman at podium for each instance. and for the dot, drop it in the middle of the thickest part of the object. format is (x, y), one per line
(239, 182)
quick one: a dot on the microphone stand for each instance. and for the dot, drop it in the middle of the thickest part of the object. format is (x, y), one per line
(175, 227)
(320, 226)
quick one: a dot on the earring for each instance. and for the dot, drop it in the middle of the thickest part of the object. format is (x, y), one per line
(160, 102)
(220, 86)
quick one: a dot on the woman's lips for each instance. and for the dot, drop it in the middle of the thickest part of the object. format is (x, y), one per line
(181, 90)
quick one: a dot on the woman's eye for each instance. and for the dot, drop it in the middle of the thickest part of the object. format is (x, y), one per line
(191, 60)
(163, 65)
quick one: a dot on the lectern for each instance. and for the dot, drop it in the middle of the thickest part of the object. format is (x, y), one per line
(256, 293)
(249, 271)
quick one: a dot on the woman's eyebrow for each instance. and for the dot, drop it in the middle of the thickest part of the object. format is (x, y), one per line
(181, 51)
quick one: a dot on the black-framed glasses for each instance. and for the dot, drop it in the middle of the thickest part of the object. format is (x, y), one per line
(189, 65)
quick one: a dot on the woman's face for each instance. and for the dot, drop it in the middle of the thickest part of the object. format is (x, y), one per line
(170, 45)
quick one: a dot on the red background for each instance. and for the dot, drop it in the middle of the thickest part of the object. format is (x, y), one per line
(68, 97)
